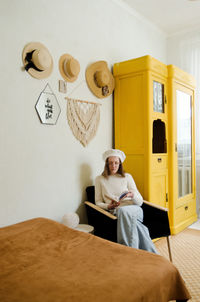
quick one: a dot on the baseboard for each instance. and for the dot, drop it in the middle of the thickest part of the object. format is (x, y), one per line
(181, 226)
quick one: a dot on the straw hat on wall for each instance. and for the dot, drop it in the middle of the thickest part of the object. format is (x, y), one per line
(37, 60)
(69, 68)
(99, 79)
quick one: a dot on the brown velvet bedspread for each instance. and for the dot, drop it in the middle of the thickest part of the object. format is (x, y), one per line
(44, 261)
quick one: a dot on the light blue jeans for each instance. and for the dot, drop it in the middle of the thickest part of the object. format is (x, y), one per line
(131, 231)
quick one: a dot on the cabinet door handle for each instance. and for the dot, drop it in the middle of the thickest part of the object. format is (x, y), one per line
(186, 208)
(159, 160)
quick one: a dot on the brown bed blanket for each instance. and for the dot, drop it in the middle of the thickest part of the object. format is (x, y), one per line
(44, 261)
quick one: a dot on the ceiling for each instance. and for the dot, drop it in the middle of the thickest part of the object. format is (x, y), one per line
(171, 16)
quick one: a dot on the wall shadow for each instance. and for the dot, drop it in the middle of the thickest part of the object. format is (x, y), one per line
(85, 180)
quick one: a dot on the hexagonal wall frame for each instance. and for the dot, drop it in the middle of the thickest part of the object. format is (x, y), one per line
(47, 107)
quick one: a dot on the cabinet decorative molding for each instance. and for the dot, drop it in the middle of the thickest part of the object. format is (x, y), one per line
(153, 102)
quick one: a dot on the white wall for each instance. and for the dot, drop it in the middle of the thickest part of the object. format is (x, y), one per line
(44, 169)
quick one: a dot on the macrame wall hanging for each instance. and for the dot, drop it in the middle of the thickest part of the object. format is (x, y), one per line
(83, 118)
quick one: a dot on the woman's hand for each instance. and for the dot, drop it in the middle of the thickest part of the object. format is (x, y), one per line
(113, 204)
(129, 194)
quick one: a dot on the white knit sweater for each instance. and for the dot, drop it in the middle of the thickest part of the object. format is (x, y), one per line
(114, 186)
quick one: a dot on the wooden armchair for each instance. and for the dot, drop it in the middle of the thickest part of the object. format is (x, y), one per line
(105, 223)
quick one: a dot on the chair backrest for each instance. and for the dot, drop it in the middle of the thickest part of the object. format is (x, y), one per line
(90, 191)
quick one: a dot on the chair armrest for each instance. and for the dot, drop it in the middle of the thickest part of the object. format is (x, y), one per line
(94, 206)
(97, 208)
(155, 206)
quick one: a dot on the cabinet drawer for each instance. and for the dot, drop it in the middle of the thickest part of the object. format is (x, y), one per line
(159, 162)
(185, 212)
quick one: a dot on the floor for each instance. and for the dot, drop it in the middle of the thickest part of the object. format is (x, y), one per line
(195, 225)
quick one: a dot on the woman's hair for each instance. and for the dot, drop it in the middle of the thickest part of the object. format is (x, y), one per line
(106, 171)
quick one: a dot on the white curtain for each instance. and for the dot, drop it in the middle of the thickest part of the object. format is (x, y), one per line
(190, 62)
(189, 51)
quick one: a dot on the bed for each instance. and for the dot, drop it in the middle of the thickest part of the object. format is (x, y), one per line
(44, 261)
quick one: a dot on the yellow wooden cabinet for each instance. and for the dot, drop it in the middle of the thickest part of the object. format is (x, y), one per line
(142, 113)
(182, 183)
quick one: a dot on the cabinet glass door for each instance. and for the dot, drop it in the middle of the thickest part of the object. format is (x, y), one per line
(158, 97)
(184, 142)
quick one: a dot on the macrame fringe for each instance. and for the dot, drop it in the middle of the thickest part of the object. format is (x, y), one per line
(83, 123)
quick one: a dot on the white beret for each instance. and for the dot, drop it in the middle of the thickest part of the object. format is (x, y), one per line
(114, 152)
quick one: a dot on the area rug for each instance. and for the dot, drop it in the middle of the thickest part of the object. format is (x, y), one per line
(185, 248)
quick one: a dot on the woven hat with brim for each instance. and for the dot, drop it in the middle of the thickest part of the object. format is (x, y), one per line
(69, 68)
(114, 152)
(99, 79)
(37, 60)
